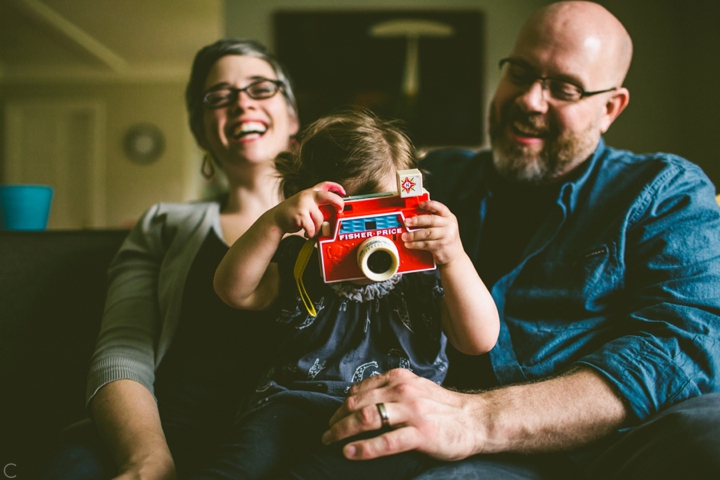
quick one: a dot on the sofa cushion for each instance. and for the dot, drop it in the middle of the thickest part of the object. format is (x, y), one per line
(52, 290)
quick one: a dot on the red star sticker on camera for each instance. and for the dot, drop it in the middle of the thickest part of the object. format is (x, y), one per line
(407, 185)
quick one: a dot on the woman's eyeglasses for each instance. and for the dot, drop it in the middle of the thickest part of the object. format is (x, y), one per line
(224, 96)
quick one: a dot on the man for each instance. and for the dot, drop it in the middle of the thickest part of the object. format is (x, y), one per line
(606, 270)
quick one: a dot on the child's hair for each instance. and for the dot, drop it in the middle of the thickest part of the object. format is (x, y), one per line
(353, 148)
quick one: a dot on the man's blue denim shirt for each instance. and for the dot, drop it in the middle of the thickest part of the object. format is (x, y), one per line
(623, 276)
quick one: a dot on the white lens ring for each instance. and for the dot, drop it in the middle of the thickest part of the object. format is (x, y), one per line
(375, 245)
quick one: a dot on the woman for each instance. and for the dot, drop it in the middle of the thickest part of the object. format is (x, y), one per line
(165, 335)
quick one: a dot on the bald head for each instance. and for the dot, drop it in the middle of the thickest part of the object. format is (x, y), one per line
(587, 31)
(561, 89)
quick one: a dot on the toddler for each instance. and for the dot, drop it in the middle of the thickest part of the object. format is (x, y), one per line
(361, 328)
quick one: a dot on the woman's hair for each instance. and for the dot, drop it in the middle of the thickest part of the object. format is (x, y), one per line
(353, 148)
(206, 58)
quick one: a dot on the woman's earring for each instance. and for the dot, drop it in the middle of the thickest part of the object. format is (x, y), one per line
(207, 169)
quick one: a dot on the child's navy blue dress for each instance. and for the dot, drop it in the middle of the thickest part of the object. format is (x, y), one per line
(358, 332)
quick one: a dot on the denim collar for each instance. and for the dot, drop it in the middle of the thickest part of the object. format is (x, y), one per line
(571, 189)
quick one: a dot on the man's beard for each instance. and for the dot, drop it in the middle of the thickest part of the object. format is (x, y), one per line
(560, 153)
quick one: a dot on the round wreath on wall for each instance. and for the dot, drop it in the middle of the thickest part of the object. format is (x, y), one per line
(144, 143)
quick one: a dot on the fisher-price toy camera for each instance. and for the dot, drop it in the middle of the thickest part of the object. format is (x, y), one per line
(363, 241)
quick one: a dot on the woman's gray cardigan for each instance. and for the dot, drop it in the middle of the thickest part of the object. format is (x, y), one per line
(146, 282)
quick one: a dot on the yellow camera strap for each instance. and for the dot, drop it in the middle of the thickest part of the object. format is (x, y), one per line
(300, 264)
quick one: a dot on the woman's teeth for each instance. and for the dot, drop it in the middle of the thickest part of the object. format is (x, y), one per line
(249, 128)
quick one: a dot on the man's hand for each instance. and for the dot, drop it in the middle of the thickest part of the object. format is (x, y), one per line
(424, 417)
(556, 414)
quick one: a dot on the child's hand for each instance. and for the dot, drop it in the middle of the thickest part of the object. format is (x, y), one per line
(302, 212)
(438, 233)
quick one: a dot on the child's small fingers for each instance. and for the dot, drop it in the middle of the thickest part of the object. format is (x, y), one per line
(333, 187)
(435, 207)
(425, 244)
(317, 221)
(308, 225)
(329, 198)
(441, 251)
(420, 235)
(425, 221)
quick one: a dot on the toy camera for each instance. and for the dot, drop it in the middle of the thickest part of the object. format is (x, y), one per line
(363, 241)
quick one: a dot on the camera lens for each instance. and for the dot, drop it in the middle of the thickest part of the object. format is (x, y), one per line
(380, 262)
(378, 258)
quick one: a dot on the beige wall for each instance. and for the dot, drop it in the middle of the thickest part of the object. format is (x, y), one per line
(130, 188)
(44, 58)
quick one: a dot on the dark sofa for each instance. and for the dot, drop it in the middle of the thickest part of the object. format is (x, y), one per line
(52, 290)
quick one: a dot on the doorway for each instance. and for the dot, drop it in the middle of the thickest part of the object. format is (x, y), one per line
(61, 144)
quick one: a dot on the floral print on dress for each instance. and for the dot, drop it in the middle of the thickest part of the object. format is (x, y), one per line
(359, 331)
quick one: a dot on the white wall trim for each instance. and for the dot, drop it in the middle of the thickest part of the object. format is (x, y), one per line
(66, 74)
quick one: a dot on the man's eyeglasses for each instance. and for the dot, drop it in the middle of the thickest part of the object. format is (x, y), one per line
(521, 75)
(224, 96)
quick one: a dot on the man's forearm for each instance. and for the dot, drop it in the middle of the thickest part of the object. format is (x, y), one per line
(561, 413)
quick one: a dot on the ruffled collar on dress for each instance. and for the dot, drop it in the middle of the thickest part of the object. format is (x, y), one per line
(364, 293)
